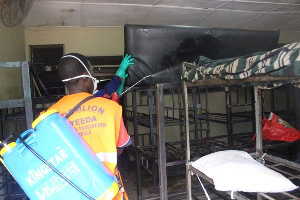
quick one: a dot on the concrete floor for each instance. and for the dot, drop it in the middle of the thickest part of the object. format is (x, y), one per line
(176, 184)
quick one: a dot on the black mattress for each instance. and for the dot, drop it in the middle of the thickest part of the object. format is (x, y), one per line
(160, 50)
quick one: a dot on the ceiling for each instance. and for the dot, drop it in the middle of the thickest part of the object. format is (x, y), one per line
(238, 14)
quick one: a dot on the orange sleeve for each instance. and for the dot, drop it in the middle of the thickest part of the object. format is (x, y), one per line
(124, 139)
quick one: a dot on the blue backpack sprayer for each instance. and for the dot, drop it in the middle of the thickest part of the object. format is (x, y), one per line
(52, 161)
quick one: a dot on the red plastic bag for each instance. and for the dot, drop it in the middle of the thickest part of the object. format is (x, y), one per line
(276, 128)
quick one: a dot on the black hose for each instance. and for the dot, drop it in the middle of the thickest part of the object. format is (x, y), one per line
(55, 170)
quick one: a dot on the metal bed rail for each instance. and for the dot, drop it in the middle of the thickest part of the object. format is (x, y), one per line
(26, 101)
(159, 115)
(21, 110)
(144, 119)
(258, 117)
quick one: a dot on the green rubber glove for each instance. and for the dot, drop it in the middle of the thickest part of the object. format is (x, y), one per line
(122, 86)
(127, 60)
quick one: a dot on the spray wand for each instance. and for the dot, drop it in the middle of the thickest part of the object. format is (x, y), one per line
(134, 85)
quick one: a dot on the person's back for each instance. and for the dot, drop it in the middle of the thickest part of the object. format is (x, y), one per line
(98, 120)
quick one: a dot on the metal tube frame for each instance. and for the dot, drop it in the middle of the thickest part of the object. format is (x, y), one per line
(258, 117)
(26, 101)
(161, 142)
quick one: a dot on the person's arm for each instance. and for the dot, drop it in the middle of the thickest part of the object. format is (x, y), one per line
(124, 139)
(110, 87)
(127, 61)
(116, 84)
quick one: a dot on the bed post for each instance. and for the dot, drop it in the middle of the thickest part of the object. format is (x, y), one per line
(187, 142)
(136, 144)
(258, 118)
(297, 124)
(27, 93)
(162, 158)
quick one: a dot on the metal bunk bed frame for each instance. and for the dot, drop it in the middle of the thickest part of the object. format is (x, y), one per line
(9, 187)
(239, 104)
(26, 101)
(159, 152)
(277, 162)
(205, 117)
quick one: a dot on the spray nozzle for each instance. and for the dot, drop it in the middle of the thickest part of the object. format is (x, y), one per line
(135, 84)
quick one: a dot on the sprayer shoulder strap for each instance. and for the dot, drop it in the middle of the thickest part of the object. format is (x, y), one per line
(78, 105)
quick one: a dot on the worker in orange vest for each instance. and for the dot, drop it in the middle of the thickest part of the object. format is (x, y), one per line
(99, 121)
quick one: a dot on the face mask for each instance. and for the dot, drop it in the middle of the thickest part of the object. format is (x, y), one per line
(95, 81)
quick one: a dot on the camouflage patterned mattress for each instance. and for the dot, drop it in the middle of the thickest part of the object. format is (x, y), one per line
(283, 61)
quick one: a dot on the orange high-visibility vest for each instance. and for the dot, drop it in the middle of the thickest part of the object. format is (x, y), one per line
(98, 121)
